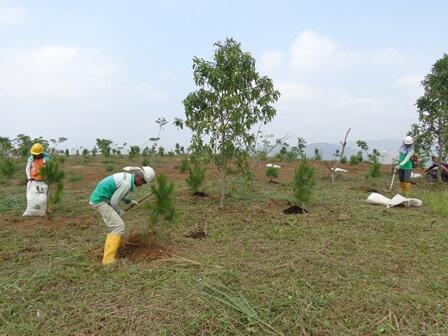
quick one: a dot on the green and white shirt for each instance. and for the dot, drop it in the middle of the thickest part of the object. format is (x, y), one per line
(113, 189)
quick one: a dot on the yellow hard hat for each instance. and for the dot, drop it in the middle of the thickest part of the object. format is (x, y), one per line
(37, 149)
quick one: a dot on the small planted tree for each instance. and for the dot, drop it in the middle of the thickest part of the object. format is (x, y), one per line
(354, 160)
(232, 98)
(104, 145)
(195, 179)
(304, 181)
(317, 156)
(184, 165)
(162, 205)
(272, 174)
(134, 151)
(53, 175)
(7, 167)
(375, 165)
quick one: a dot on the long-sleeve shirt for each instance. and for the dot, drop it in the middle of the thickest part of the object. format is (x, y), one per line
(113, 189)
(406, 153)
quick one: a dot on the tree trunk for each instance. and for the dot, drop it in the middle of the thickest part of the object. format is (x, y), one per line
(223, 189)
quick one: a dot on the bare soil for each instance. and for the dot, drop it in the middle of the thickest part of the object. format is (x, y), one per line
(142, 247)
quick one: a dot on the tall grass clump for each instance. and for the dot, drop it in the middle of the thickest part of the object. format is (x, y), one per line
(303, 183)
(375, 165)
(195, 178)
(162, 205)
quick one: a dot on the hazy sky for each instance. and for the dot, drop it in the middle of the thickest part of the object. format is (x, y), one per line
(88, 69)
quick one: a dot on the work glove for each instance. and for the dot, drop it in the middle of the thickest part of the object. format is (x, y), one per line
(133, 202)
(397, 167)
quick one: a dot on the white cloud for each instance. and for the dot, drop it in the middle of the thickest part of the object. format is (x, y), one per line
(388, 56)
(311, 52)
(271, 60)
(11, 15)
(54, 73)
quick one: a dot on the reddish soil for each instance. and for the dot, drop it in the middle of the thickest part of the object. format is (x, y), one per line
(48, 222)
(139, 247)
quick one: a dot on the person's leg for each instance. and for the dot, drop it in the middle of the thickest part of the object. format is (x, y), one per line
(407, 181)
(402, 181)
(115, 227)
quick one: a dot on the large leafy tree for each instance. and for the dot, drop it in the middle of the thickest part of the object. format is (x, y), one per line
(432, 131)
(232, 98)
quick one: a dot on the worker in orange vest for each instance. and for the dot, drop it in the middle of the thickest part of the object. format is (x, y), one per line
(35, 162)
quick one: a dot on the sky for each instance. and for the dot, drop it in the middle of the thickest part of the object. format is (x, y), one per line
(108, 69)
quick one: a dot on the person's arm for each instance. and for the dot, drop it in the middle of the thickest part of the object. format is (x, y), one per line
(407, 158)
(28, 169)
(118, 195)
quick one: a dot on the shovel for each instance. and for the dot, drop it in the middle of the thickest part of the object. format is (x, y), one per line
(139, 201)
(393, 179)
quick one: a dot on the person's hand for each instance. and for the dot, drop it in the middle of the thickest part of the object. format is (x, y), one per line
(133, 202)
(121, 212)
(397, 167)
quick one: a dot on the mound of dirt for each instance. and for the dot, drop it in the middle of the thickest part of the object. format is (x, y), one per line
(141, 247)
(293, 210)
(200, 194)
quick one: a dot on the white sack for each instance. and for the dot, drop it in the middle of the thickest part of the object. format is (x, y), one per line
(416, 175)
(375, 198)
(36, 198)
(340, 170)
(399, 200)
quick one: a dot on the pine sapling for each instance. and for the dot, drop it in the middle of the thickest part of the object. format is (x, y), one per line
(272, 174)
(7, 167)
(304, 181)
(53, 175)
(184, 165)
(163, 203)
(195, 178)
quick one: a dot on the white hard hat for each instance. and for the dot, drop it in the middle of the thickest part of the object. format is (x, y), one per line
(148, 174)
(408, 140)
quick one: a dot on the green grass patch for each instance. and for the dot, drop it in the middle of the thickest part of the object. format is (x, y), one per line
(437, 202)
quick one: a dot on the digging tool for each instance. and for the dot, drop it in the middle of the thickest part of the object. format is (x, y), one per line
(393, 179)
(138, 202)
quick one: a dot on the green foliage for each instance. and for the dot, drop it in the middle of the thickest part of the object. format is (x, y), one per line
(195, 178)
(104, 146)
(375, 165)
(7, 167)
(161, 151)
(53, 175)
(184, 165)
(317, 156)
(73, 177)
(303, 183)
(67, 153)
(146, 161)
(134, 151)
(6, 147)
(94, 151)
(354, 160)
(344, 159)
(232, 98)
(432, 130)
(61, 159)
(162, 204)
(85, 152)
(271, 173)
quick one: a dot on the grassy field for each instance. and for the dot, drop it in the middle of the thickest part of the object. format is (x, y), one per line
(345, 268)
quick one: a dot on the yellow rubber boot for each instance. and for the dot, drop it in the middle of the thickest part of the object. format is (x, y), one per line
(403, 187)
(110, 248)
(408, 188)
